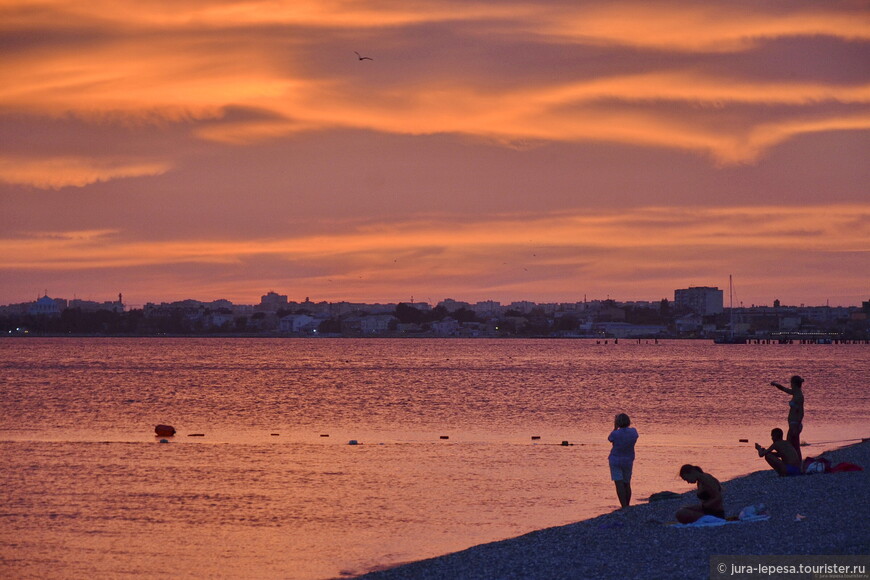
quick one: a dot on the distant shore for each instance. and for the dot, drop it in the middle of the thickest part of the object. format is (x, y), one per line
(602, 341)
(638, 542)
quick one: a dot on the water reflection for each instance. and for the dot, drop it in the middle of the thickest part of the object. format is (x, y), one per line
(88, 492)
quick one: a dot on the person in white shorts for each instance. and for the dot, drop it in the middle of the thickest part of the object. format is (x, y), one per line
(623, 437)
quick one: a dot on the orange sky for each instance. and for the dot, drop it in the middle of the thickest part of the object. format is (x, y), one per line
(490, 150)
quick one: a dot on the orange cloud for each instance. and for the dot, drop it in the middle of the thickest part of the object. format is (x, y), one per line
(188, 14)
(574, 112)
(58, 172)
(796, 254)
(821, 229)
(191, 61)
(667, 25)
(704, 27)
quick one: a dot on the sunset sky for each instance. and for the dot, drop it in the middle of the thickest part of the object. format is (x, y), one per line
(504, 149)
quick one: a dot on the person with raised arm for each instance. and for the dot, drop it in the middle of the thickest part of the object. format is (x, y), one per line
(795, 411)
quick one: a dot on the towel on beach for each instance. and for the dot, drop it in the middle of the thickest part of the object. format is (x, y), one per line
(713, 521)
(846, 466)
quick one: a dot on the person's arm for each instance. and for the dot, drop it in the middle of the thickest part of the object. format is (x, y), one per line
(762, 451)
(781, 388)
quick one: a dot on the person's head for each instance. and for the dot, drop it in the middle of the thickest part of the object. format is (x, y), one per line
(796, 382)
(690, 473)
(621, 421)
(776, 434)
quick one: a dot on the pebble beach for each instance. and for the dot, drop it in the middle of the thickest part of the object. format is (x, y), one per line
(821, 514)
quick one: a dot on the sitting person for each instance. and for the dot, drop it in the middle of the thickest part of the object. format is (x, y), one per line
(709, 492)
(781, 456)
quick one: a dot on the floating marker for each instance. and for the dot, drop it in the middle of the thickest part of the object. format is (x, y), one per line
(164, 430)
(353, 442)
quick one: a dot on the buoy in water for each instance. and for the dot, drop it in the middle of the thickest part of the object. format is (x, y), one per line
(164, 430)
(353, 442)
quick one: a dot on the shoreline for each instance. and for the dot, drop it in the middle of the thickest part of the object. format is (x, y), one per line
(602, 341)
(638, 542)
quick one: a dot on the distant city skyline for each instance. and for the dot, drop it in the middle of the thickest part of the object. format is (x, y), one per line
(534, 150)
(432, 301)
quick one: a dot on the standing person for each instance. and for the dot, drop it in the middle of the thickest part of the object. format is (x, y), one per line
(709, 492)
(795, 412)
(621, 459)
(781, 456)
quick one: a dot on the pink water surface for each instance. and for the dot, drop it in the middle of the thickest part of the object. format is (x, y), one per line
(88, 491)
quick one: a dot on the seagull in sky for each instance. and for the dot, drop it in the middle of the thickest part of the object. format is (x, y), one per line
(361, 57)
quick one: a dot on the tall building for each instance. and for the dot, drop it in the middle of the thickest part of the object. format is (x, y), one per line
(701, 300)
(272, 302)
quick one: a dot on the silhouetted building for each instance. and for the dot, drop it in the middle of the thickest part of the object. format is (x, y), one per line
(453, 305)
(272, 302)
(297, 323)
(45, 306)
(702, 300)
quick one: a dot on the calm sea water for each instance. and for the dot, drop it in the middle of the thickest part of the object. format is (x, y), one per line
(273, 490)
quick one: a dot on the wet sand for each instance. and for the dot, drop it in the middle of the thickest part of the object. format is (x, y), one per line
(639, 542)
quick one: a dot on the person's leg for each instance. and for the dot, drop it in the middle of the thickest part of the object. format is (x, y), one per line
(617, 477)
(777, 464)
(622, 493)
(690, 514)
(794, 437)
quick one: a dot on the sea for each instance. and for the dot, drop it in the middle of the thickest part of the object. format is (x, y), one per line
(310, 459)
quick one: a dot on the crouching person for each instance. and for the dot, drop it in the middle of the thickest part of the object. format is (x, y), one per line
(709, 492)
(781, 455)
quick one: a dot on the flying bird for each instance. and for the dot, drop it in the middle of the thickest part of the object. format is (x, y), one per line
(361, 57)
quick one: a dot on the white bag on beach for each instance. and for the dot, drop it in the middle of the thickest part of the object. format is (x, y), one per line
(815, 467)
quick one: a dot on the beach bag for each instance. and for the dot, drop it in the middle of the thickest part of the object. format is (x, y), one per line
(816, 465)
